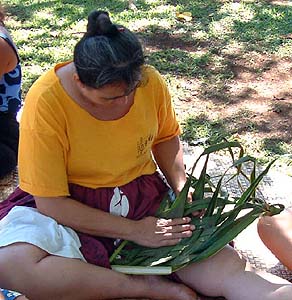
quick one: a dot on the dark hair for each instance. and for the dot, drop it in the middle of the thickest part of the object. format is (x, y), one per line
(108, 53)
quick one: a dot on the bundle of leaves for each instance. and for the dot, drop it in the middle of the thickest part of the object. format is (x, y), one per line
(224, 218)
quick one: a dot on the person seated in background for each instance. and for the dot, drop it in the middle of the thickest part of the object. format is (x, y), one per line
(94, 132)
(10, 103)
(276, 234)
(10, 100)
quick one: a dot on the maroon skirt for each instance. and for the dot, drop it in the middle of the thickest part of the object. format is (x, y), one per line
(135, 200)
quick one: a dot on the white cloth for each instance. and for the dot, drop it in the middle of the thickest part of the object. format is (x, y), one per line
(28, 225)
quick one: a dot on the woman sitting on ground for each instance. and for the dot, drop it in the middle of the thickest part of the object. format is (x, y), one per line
(93, 133)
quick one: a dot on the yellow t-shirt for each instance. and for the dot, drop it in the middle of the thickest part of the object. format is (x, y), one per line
(62, 143)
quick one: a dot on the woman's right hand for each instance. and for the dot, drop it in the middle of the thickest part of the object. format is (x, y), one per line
(154, 232)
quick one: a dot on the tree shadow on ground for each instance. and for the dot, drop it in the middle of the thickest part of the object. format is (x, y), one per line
(239, 65)
(202, 129)
(263, 32)
(71, 10)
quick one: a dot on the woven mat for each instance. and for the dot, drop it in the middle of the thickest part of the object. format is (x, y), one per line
(8, 184)
(275, 188)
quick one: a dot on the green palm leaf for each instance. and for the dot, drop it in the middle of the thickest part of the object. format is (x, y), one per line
(224, 217)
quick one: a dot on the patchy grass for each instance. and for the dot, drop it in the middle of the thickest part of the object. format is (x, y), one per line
(228, 68)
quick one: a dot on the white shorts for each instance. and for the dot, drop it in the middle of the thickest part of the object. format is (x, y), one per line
(28, 225)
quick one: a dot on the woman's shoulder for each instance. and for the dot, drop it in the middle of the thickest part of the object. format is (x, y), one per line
(150, 75)
(43, 102)
(150, 71)
(8, 55)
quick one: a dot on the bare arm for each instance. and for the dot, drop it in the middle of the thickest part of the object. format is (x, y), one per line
(150, 231)
(169, 157)
(83, 218)
(8, 59)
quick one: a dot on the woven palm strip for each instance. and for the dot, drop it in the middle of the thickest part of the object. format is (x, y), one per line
(8, 185)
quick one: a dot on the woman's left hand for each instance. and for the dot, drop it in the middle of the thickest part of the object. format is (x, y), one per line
(198, 213)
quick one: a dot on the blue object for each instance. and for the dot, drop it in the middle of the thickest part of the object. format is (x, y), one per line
(9, 295)
(10, 84)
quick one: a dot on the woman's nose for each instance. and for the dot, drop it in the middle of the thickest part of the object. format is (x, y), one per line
(122, 100)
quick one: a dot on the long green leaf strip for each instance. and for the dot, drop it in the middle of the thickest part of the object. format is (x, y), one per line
(224, 218)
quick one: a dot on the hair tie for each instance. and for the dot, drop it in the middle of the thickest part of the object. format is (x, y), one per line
(99, 23)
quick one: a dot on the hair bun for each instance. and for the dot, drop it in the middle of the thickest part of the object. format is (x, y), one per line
(99, 23)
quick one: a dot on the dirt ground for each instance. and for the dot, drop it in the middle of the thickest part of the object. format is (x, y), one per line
(257, 101)
(266, 96)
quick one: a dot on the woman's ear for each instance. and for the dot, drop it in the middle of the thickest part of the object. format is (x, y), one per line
(76, 79)
(78, 82)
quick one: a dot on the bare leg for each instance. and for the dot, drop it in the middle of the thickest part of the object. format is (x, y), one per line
(227, 274)
(40, 276)
(276, 234)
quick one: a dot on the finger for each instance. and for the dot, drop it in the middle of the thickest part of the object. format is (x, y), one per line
(174, 238)
(199, 213)
(177, 228)
(190, 195)
(169, 242)
(179, 221)
(177, 235)
(189, 198)
(163, 222)
(171, 222)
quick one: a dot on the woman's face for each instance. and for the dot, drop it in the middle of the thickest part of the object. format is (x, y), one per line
(110, 94)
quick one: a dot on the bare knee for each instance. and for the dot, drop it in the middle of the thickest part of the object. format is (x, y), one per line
(276, 234)
(226, 262)
(233, 261)
(21, 253)
(6, 262)
(211, 276)
(266, 227)
(275, 229)
(277, 222)
(16, 260)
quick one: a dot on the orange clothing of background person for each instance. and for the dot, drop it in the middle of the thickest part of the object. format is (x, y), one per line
(61, 143)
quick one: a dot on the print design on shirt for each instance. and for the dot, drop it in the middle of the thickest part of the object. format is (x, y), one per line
(143, 144)
(119, 205)
(9, 100)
